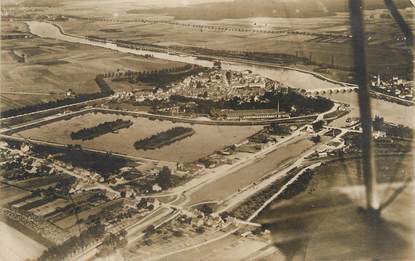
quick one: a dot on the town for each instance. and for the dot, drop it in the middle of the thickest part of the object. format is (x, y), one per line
(394, 87)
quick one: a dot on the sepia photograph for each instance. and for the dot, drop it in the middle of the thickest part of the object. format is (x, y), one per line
(211, 130)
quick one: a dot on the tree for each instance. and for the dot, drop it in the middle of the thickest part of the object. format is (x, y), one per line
(279, 129)
(340, 154)
(164, 178)
(178, 233)
(228, 76)
(224, 215)
(123, 194)
(316, 139)
(318, 125)
(200, 230)
(299, 186)
(149, 230)
(142, 203)
(36, 192)
(378, 123)
(206, 209)
(103, 252)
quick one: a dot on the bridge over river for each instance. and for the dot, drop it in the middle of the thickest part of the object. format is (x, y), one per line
(331, 90)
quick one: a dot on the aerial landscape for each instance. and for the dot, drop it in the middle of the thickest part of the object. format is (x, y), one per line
(207, 130)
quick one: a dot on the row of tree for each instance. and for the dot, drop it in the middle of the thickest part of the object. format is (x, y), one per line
(159, 78)
(103, 164)
(100, 129)
(105, 90)
(248, 207)
(74, 244)
(163, 138)
(280, 58)
(112, 242)
(294, 103)
(129, 74)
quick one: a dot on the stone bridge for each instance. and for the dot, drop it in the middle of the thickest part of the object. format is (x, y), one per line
(332, 90)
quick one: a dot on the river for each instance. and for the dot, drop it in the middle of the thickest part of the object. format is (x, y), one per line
(392, 112)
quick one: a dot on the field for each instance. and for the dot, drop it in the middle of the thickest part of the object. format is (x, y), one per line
(9, 194)
(38, 182)
(232, 247)
(206, 140)
(224, 187)
(229, 248)
(384, 52)
(52, 67)
(49, 207)
(70, 221)
(12, 242)
(165, 242)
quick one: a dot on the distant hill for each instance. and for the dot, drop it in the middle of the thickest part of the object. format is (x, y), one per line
(264, 8)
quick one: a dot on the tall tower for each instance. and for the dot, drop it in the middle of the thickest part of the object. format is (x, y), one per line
(378, 79)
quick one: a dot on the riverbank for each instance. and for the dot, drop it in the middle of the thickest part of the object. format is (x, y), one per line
(301, 80)
(265, 64)
(212, 58)
(392, 99)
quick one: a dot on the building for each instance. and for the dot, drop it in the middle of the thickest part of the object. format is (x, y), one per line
(252, 114)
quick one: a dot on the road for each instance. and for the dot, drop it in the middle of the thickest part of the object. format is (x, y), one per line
(243, 195)
(252, 189)
(298, 163)
(240, 197)
(88, 180)
(209, 122)
(64, 146)
(55, 109)
(183, 192)
(187, 189)
(135, 231)
(57, 117)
